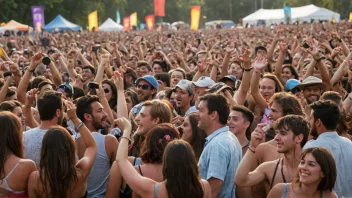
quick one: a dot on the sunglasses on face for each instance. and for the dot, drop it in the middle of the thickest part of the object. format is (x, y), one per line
(106, 90)
(143, 86)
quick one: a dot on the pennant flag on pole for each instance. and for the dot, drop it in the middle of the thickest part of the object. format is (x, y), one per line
(126, 23)
(287, 13)
(118, 18)
(38, 17)
(159, 8)
(150, 20)
(195, 16)
(93, 21)
(133, 19)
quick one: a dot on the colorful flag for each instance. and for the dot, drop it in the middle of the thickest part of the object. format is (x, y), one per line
(118, 18)
(133, 19)
(195, 16)
(287, 13)
(38, 17)
(93, 21)
(350, 16)
(126, 23)
(150, 20)
(159, 8)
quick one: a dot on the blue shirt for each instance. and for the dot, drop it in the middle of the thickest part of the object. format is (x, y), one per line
(220, 158)
(341, 150)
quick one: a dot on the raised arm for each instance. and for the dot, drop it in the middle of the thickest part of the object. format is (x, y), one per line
(56, 74)
(243, 175)
(138, 183)
(259, 64)
(27, 109)
(16, 72)
(340, 72)
(5, 88)
(241, 93)
(226, 61)
(22, 87)
(280, 61)
(313, 50)
(85, 164)
(122, 111)
(100, 73)
(343, 45)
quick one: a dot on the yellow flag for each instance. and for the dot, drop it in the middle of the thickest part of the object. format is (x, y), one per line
(133, 19)
(2, 52)
(195, 16)
(350, 16)
(93, 21)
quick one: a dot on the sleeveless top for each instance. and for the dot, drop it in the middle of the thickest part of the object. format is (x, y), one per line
(127, 192)
(5, 185)
(99, 175)
(286, 191)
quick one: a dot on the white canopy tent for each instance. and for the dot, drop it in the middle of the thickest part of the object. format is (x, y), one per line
(110, 26)
(301, 14)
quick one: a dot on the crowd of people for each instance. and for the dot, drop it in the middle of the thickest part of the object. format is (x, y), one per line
(253, 112)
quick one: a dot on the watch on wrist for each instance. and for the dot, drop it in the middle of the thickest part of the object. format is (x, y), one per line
(319, 59)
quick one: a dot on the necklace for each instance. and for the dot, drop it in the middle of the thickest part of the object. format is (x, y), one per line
(246, 144)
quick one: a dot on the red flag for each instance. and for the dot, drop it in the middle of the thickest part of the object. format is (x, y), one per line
(126, 23)
(159, 7)
(150, 20)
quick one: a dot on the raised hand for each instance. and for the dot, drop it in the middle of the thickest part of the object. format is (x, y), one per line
(245, 58)
(71, 110)
(14, 69)
(36, 59)
(260, 62)
(118, 80)
(124, 124)
(258, 135)
(30, 97)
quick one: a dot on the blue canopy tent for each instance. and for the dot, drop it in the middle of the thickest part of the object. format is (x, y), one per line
(60, 23)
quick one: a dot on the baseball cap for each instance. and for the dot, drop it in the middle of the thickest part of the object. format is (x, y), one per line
(150, 79)
(186, 85)
(312, 80)
(204, 81)
(218, 87)
(228, 77)
(291, 84)
(67, 88)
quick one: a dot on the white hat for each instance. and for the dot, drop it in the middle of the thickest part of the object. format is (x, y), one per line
(204, 81)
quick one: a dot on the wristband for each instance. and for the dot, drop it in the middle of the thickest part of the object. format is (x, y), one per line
(339, 40)
(129, 139)
(249, 148)
(319, 59)
(30, 70)
(248, 70)
(79, 125)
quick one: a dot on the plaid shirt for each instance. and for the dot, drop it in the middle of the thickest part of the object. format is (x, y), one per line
(220, 158)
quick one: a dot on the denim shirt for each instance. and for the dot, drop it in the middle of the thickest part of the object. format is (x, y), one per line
(220, 158)
(341, 150)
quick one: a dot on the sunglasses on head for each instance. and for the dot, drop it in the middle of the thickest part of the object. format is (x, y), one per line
(143, 86)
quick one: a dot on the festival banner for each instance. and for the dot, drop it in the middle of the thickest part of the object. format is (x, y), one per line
(118, 18)
(150, 20)
(195, 16)
(126, 23)
(93, 21)
(287, 13)
(159, 8)
(133, 19)
(38, 17)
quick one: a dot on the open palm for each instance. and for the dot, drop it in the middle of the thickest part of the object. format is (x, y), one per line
(260, 62)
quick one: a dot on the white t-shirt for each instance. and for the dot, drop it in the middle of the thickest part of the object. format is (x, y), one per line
(32, 142)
